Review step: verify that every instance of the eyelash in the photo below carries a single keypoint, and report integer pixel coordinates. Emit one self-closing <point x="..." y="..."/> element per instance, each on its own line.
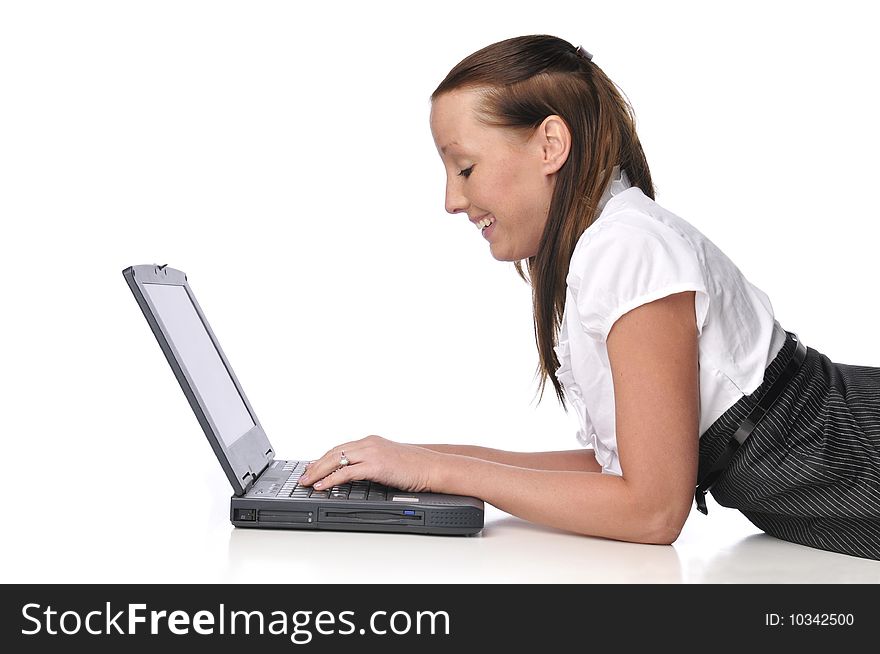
<point x="466" y="172"/>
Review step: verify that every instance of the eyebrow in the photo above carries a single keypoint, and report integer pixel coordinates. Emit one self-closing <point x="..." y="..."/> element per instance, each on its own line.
<point x="444" y="148"/>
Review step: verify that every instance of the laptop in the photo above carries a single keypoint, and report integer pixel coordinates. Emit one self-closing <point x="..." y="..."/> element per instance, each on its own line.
<point x="266" y="492"/>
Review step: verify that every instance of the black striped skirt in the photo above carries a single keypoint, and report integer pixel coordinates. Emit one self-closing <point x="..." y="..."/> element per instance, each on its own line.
<point x="810" y="471"/>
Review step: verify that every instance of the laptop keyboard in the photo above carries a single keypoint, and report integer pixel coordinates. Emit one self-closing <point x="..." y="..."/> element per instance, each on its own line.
<point x="353" y="490"/>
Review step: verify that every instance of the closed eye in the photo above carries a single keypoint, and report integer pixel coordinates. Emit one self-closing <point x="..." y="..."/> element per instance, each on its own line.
<point x="466" y="172"/>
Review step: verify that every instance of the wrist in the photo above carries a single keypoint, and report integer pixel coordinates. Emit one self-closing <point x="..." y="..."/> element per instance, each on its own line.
<point x="452" y="473"/>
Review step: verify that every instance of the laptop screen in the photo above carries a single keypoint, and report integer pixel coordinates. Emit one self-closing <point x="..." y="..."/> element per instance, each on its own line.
<point x="209" y="376"/>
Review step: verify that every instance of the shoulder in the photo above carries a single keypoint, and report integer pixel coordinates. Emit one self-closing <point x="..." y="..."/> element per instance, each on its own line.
<point x="631" y="226"/>
<point x="634" y="253"/>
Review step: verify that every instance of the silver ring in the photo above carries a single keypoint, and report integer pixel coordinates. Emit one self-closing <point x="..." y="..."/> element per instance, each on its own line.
<point x="343" y="460"/>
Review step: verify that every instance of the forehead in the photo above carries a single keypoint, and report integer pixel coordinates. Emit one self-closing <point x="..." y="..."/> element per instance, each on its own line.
<point x="455" y="119"/>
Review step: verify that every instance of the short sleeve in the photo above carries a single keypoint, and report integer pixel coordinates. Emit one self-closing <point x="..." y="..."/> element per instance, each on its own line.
<point x="624" y="265"/>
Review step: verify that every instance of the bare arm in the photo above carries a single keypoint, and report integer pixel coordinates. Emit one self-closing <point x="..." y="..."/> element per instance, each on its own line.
<point x="582" y="459"/>
<point x="654" y="360"/>
<point x="654" y="357"/>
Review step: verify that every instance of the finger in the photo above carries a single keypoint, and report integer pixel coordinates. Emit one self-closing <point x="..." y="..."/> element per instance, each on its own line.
<point x="334" y="478"/>
<point x="338" y="477"/>
<point x="335" y="455"/>
<point x="323" y="465"/>
<point x="327" y="464"/>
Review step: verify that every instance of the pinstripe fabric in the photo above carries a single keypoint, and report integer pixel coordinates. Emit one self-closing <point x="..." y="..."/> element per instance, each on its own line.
<point x="810" y="471"/>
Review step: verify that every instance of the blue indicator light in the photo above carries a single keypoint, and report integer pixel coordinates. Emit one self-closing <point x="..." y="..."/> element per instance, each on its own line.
<point x="408" y="512"/>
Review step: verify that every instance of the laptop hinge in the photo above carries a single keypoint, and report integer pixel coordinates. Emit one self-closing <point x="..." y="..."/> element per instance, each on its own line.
<point x="249" y="478"/>
<point x="268" y="457"/>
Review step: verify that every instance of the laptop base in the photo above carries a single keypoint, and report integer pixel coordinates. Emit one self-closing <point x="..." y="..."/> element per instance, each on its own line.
<point x="349" y="515"/>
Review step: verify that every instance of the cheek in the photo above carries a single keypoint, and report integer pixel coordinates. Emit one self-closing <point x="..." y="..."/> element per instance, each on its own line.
<point x="529" y="203"/>
<point x="515" y="191"/>
<point x="528" y="188"/>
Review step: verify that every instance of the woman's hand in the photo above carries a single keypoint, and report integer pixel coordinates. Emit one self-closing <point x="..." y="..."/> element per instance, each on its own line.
<point x="407" y="467"/>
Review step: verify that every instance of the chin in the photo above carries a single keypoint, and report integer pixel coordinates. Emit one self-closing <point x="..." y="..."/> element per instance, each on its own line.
<point x="502" y="254"/>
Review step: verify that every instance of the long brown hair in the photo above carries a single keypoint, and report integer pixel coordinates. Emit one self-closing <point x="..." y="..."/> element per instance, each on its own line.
<point x="523" y="80"/>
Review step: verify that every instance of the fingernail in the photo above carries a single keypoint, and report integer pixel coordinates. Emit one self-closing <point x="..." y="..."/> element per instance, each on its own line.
<point x="319" y="484"/>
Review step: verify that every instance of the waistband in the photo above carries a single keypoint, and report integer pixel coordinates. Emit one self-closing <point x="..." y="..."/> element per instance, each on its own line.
<point x="777" y="367"/>
<point x="781" y="370"/>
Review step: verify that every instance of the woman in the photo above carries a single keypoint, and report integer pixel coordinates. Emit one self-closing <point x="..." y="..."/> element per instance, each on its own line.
<point x="676" y="367"/>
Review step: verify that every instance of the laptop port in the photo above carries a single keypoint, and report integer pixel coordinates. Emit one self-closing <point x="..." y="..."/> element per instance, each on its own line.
<point x="248" y="515"/>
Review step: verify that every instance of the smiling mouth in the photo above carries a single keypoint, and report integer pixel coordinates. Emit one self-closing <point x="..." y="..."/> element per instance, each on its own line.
<point x="485" y="222"/>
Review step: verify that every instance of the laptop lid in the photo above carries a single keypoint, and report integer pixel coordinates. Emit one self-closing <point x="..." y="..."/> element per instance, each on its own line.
<point x="207" y="379"/>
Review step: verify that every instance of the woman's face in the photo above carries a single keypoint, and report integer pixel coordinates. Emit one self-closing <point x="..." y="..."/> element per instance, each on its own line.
<point x="498" y="176"/>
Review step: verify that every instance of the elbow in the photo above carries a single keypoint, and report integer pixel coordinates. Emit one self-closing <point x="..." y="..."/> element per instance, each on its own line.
<point x="663" y="525"/>
<point x="665" y="533"/>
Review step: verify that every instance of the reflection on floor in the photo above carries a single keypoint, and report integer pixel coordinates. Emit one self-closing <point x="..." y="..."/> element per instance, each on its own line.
<point x="722" y="547"/>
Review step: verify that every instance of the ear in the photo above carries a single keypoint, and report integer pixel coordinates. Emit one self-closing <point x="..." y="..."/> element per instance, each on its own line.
<point x="555" y="142"/>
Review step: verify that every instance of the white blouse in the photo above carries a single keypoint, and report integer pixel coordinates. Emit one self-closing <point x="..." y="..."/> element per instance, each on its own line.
<point x="637" y="252"/>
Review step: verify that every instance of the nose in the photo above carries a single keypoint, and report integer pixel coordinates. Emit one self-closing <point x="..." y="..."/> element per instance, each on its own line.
<point x="456" y="202"/>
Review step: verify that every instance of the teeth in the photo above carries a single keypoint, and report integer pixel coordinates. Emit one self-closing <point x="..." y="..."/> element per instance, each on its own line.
<point x="484" y="223"/>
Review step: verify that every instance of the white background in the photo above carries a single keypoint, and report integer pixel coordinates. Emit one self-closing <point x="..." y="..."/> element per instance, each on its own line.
<point x="279" y="153"/>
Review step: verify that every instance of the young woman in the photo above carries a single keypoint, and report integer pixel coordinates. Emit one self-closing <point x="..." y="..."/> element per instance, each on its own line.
<point x="679" y="373"/>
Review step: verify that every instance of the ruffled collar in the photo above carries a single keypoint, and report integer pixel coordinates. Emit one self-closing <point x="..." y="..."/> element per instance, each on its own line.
<point x="619" y="183"/>
<point x="564" y="373"/>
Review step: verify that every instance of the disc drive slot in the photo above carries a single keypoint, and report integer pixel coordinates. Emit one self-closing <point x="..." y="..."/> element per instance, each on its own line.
<point x="400" y="516"/>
